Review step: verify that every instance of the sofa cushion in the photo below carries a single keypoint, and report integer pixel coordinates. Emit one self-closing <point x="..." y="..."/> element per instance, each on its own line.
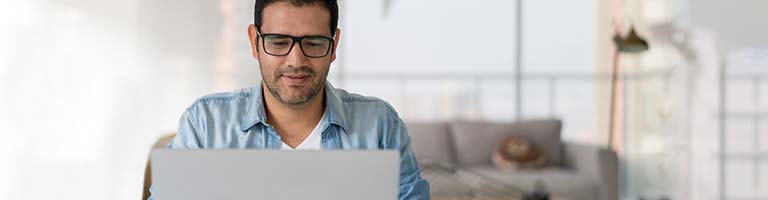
<point x="431" y="142"/>
<point x="474" y="142"/>
<point x="558" y="181"/>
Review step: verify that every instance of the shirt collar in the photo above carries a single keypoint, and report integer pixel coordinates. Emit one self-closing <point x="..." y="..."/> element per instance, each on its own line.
<point x="334" y="110"/>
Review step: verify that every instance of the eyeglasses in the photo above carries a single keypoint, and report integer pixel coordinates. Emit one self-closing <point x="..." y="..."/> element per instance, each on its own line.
<point x="314" y="46"/>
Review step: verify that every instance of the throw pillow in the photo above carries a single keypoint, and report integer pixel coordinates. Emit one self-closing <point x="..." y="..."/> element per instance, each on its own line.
<point x="517" y="153"/>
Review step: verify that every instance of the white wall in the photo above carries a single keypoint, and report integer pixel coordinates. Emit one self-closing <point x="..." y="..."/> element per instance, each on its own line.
<point x="87" y="86"/>
<point x="736" y="24"/>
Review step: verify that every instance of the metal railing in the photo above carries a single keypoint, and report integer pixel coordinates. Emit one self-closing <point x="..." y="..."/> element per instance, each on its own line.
<point x="552" y="80"/>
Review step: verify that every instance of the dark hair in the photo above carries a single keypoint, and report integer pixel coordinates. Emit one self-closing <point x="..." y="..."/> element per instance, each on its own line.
<point x="331" y="5"/>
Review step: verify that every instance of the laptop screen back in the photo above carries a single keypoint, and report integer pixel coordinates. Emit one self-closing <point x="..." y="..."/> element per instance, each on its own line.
<point x="274" y="175"/>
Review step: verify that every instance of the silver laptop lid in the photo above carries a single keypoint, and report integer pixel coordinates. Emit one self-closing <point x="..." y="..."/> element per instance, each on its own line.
<point x="269" y="174"/>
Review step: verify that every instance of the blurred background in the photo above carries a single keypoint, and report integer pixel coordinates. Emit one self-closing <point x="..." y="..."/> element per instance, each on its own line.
<point x="87" y="86"/>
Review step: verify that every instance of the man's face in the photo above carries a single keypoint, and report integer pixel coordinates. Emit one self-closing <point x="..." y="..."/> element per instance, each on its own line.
<point x="294" y="78"/>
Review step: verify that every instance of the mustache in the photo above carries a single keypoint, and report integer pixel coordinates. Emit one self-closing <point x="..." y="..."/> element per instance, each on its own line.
<point x="287" y="70"/>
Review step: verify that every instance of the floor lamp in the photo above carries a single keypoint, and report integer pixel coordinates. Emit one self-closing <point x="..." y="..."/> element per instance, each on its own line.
<point x="630" y="44"/>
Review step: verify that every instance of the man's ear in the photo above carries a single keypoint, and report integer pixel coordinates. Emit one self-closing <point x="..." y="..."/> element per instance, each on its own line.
<point x="335" y="44"/>
<point x="253" y="37"/>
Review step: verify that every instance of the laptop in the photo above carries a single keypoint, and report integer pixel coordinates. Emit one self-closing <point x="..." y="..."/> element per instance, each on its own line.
<point x="274" y="175"/>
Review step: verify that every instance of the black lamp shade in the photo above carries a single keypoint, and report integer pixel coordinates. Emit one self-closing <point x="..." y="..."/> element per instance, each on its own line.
<point x="631" y="44"/>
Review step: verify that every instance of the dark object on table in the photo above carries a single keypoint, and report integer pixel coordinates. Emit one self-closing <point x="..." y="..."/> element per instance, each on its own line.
<point x="540" y="192"/>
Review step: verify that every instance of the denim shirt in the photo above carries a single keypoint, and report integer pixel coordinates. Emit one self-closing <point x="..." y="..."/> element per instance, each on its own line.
<point x="237" y="120"/>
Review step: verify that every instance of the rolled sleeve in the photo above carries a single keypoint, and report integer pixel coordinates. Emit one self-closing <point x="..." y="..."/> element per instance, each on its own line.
<point x="186" y="138"/>
<point x="412" y="186"/>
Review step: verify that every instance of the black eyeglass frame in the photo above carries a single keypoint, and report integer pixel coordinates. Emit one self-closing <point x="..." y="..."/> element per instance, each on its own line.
<point x="295" y="40"/>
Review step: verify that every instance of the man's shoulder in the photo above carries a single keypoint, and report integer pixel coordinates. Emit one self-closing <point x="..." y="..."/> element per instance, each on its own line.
<point x="224" y="100"/>
<point x="358" y="103"/>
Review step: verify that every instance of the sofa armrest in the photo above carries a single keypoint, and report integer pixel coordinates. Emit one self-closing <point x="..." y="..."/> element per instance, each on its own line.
<point x="600" y="164"/>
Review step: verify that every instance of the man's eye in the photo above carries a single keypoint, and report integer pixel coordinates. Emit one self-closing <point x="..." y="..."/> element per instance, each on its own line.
<point x="313" y="44"/>
<point x="280" y="43"/>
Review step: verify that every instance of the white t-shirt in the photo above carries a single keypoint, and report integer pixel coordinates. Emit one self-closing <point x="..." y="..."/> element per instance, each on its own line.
<point x="312" y="141"/>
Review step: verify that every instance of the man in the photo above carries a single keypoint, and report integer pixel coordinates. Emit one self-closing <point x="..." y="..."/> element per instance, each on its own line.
<point x="294" y="107"/>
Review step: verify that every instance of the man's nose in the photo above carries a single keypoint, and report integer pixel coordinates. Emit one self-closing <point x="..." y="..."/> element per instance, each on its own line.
<point x="296" y="57"/>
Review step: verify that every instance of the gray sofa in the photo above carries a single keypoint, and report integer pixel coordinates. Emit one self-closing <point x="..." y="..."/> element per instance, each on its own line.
<point x="574" y="171"/>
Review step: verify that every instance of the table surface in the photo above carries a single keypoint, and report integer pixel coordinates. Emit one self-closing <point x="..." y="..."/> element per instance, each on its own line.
<point x="448" y="182"/>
